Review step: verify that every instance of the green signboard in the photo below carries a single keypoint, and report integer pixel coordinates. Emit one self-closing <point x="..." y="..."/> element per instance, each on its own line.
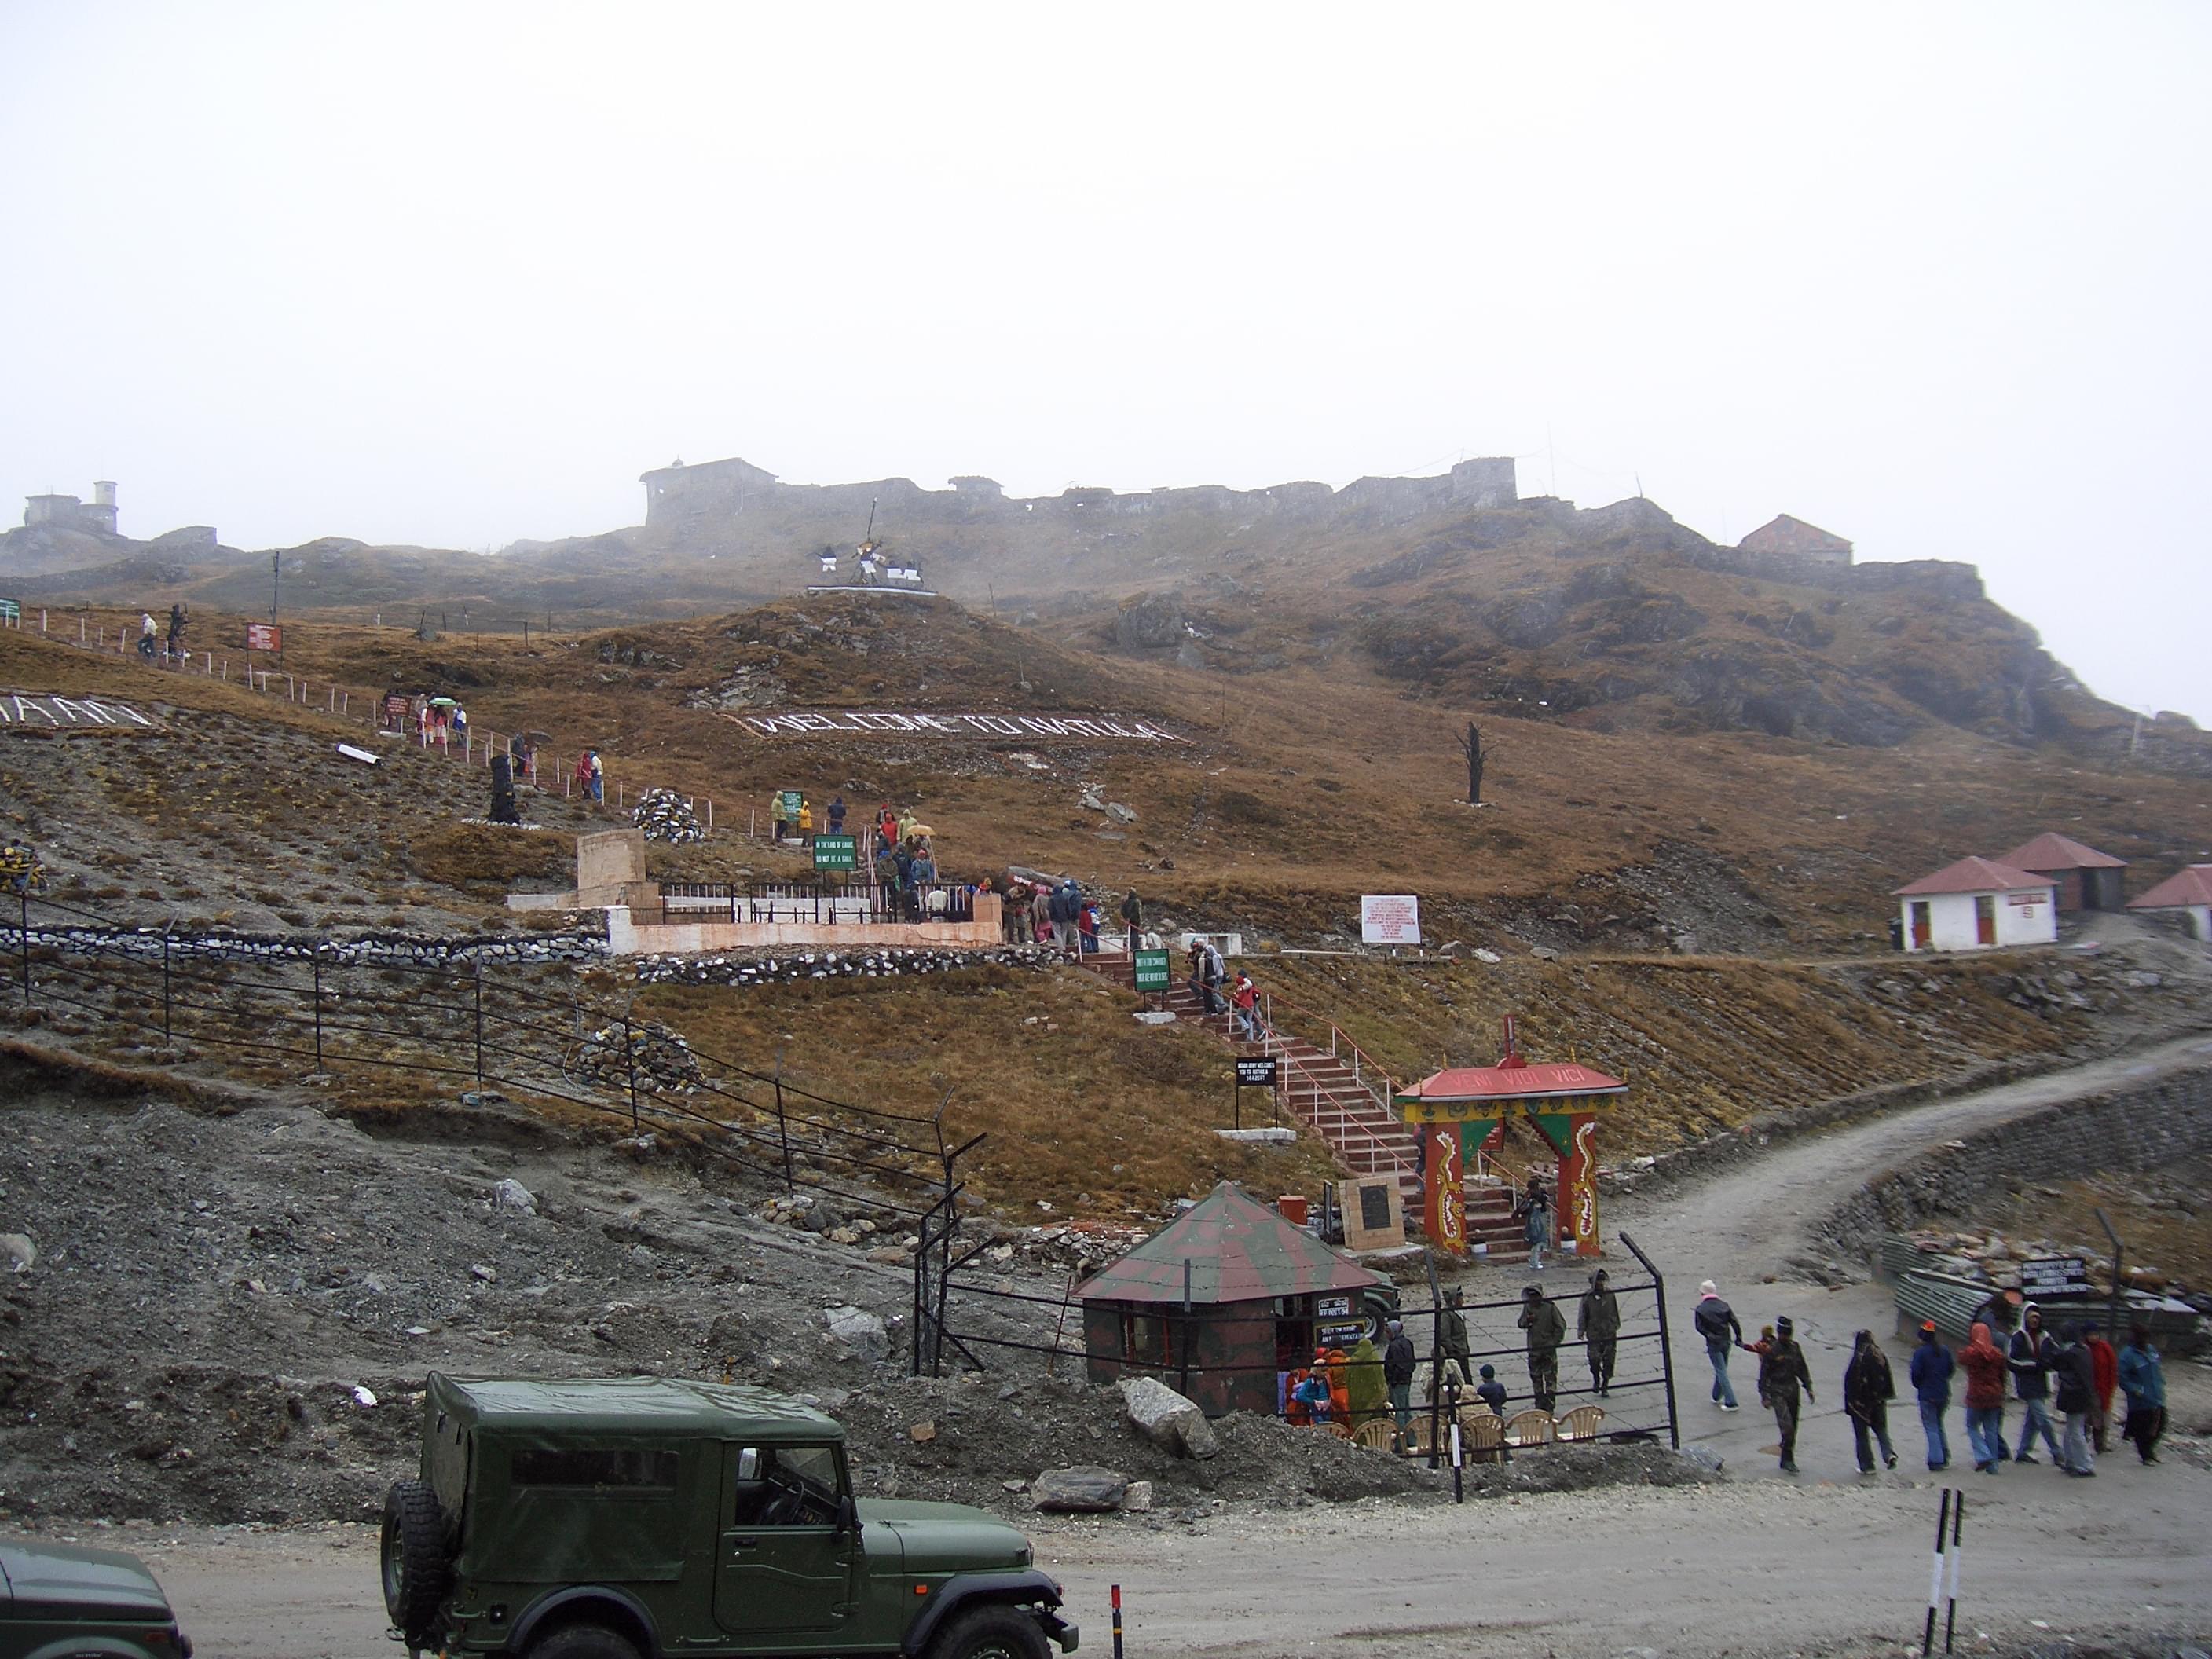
<point x="835" y="853"/>
<point x="10" y="611"/>
<point x="787" y="806"/>
<point x="1151" y="970"/>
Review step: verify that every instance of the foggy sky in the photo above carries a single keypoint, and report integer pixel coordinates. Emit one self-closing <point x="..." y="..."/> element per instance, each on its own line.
<point x="1930" y="277"/>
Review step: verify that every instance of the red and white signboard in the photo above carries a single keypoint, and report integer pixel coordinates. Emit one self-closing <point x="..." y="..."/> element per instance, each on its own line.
<point x="1389" y="919"/>
<point x="263" y="636"/>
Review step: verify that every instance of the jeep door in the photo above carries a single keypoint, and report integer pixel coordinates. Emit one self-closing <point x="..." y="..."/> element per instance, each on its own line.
<point x="786" y="1566"/>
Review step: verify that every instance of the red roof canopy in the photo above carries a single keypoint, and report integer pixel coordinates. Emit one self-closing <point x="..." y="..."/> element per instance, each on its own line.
<point x="1974" y="875"/>
<point x="1238" y="1250"/>
<point x="2189" y="886"/>
<point x="1513" y="1082"/>
<point x="2050" y="851"/>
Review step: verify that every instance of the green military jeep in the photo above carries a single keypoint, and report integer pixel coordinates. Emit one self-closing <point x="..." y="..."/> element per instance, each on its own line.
<point x="58" y="1601"/>
<point x="630" y="1517"/>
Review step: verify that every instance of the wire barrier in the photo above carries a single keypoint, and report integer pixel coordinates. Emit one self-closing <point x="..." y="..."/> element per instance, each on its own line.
<point x="1185" y="1346"/>
<point x="366" y="1004"/>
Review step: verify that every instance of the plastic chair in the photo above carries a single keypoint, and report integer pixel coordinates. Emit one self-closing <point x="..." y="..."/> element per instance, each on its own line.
<point x="1530" y="1428"/>
<point x="1482" y="1433"/>
<point x="1582" y="1422"/>
<point x="1376" y="1434"/>
<point x="1339" y="1427"/>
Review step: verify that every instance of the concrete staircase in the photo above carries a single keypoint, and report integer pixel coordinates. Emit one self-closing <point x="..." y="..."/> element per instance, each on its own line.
<point x="1339" y="1094"/>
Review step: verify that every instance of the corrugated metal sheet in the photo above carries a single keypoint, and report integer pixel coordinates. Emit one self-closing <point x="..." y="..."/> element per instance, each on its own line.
<point x="1238" y="1250"/>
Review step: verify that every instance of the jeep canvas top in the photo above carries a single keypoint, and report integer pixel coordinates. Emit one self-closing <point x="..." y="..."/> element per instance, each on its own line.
<point x="625" y="1517"/>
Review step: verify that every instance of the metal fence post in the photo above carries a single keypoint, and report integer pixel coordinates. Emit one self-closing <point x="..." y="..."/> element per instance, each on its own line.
<point x="1665" y="1344"/>
<point x="783" y="1127"/>
<point x="315" y="957"/>
<point x="479" y="965"/>
<point x="23" y="939"/>
<point x="629" y="1054"/>
<point x="167" y="1034"/>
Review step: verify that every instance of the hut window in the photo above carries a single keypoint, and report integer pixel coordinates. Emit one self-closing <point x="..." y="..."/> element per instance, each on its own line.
<point x="1147" y="1340"/>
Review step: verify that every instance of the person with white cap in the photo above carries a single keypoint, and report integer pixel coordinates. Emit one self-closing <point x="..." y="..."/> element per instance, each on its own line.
<point x="1717" y="1322"/>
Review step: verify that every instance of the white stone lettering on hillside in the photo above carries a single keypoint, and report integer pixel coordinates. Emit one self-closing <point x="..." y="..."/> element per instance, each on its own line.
<point x="874" y="722"/>
<point x="33" y="711"/>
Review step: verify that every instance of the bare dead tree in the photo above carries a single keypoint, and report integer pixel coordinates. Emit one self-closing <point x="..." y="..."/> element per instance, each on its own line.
<point x="1478" y="756"/>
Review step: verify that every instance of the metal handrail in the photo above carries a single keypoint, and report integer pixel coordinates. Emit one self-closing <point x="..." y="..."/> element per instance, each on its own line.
<point x="1361" y="1062"/>
<point x="1273" y="1042"/>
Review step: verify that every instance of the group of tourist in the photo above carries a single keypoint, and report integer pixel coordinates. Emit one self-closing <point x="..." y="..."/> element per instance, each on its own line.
<point x="2078" y="1372"/>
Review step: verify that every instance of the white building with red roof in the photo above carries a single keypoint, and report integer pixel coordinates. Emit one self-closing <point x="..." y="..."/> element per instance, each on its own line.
<point x="2087" y="878"/>
<point x="1978" y="904"/>
<point x="2187" y="893"/>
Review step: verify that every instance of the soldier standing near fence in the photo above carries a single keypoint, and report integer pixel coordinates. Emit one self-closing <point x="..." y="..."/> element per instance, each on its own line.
<point x="1782" y="1372"/>
<point x="1547" y="1328"/>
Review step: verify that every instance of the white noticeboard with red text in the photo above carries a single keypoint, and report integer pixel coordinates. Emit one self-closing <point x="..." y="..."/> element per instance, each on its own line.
<point x="1389" y="919"/>
<point x="263" y="636"/>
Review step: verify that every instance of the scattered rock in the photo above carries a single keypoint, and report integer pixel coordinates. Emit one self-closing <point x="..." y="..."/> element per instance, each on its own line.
<point x="1082" y="1490"/>
<point x="921" y="1433"/>
<point x="862" y="1332"/>
<point x="1139" y="1498"/>
<point x="512" y="1195"/>
<point x="23" y="1255"/>
<point x="1167" y="1419"/>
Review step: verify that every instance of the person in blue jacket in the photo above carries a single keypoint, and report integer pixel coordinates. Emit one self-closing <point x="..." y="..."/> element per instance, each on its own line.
<point x="1932" y="1366"/>
<point x="2144" y="1383"/>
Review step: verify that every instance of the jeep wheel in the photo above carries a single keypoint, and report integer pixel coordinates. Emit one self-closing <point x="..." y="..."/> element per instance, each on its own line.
<point x="991" y="1632"/>
<point x="583" y="1642"/>
<point x="419" y="1571"/>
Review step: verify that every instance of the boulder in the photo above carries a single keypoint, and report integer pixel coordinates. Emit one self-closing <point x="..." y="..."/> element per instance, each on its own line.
<point x="512" y="1195"/>
<point x="1166" y="1419"/>
<point x="862" y="1332"/>
<point x="23" y="1255"/>
<point x="1084" y="1490"/>
<point x="1139" y="1498"/>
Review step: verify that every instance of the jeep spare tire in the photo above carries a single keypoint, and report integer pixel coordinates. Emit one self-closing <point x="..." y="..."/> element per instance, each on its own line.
<point x="417" y="1568"/>
<point x="992" y="1632"/>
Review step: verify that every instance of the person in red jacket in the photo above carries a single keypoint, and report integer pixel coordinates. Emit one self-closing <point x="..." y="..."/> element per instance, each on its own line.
<point x="1984" y="1362"/>
<point x="2106" y="1360"/>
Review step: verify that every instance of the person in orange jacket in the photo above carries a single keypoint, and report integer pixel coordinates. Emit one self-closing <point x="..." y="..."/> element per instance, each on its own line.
<point x="2106" y="1360"/>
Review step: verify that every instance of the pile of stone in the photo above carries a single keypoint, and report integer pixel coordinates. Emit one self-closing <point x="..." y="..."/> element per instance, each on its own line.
<point x="663" y="1061"/>
<point x="369" y="950"/>
<point x="728" y="969"/>
<point x="664" y="814"/>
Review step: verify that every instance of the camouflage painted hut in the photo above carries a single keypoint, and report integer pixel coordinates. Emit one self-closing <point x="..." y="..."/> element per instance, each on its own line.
<point x="1259" y="1291"/>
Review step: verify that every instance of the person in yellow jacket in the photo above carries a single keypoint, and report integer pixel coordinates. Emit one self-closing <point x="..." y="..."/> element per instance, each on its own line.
<point x="805" y="822"/>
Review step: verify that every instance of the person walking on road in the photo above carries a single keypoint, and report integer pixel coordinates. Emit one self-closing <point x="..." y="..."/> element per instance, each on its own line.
<point x="1782" y="1372"/>
<point x="1717" y="1322"/>
<point x="1398" y="1363"/>
<point x="1547" y="1328"/>
<point x="2031" y="1356"/>
<point x="2143" y="1381"/>
<point x="2105" y="1360"/>
<point x="2076" y="1396"/>
<point x="1868" y="1386"/>
<point x="1983" y="1362"/>
<point x="1597" y="1323"/>
<point x="1931" y="1372"/>
<point x="1537" y="1209"/>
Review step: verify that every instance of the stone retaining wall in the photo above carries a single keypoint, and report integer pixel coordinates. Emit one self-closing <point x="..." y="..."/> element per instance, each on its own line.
<point x="2140" y="1126"/>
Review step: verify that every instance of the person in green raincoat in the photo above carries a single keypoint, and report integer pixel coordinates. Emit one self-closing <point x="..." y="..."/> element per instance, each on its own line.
<point x="1364" y="1384"/>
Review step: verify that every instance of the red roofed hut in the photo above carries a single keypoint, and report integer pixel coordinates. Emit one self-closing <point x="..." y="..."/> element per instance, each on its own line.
<point x="2087" y="880"/>
<point x="2189" y="893"/>
<point x="1223" y="1303"/>
<point x="1977" y="903"/>
<point x="1455" y="1110"/>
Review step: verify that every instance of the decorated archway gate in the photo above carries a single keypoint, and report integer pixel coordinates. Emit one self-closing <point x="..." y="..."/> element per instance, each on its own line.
<point x="1455" y="1111"/>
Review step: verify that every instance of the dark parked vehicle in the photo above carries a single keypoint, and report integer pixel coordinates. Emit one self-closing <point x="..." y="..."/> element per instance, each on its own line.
<point x="57" y="1601"/>
<point x="628" y="1517"/>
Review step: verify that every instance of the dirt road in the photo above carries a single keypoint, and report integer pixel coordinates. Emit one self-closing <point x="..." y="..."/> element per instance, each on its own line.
<point x="1828" y="1563"/>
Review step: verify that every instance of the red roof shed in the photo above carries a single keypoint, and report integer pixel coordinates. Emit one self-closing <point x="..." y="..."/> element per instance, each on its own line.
<point x="1972" y="875"/>
<point x="2087" y="880"/>
<point x="2188" y="890"/>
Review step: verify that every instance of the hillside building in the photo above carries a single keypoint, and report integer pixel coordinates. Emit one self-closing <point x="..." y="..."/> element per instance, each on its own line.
<point x="68" y="513"/>
<point x="1785" y="537"/>
<point x="677" y="492"/>
<point x="2087" y="880"/>
<point x="2187" y="894"/>
<point x="1978" y="905"/>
